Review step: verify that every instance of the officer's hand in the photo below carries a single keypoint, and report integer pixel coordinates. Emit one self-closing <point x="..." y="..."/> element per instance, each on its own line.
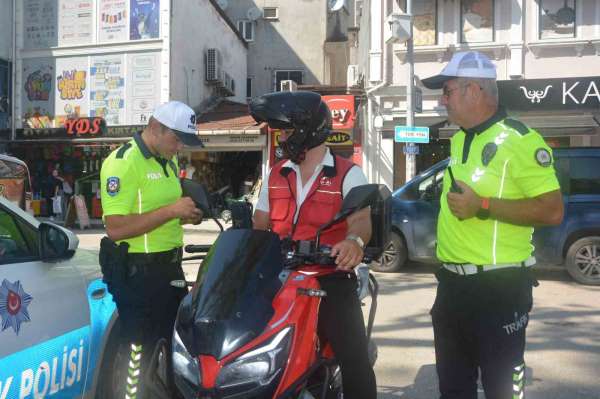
<point x="185" y="209"/>
<point x="349" y="254"/>
<point x="466" y="204"/>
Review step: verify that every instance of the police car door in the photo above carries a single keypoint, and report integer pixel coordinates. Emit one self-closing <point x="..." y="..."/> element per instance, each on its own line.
<point x="44" y="316"/>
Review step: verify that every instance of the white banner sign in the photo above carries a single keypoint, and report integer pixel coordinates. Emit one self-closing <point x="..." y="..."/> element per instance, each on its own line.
<point x="75" y="22"/>
<point x="72" y="88"/>
<point x="143" y="86"/>
<point x="39" y="23"/>
<point x="38" y="92"/>
<point x="113" y="20"/>
<point x="107" y="88"/>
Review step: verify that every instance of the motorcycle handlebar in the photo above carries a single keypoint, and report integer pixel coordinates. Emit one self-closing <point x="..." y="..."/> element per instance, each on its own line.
<point x="196" y="248"/>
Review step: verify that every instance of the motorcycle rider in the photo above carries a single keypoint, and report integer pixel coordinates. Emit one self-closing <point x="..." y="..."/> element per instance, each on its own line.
<point x="300" y="194"/>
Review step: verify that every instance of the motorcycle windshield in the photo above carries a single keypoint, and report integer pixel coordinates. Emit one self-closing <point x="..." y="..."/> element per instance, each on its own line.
<point x="231" y="302"/>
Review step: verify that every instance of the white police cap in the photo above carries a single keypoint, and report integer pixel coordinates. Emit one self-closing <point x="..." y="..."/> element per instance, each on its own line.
<point x="466" y="64"/>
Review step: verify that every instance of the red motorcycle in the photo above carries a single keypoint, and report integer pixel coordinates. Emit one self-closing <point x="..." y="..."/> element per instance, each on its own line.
<point x="248" y="328"/>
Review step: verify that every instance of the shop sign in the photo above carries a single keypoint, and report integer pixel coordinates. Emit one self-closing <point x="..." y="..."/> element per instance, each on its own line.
<point x="550" y="94"/>
<point x="85" y="126"/>
<point x="234" y="140"/>
<point x="339" y="138"/>
<point x="80" y="128"/>
<point x="342" y="111"/>
<point x="334" y="138"/>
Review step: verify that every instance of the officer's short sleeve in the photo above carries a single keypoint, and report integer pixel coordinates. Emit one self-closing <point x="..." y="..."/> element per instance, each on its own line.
<point x="118" y="187"/>
<point x="263" y="196"/>
<point x="533" y="167"/>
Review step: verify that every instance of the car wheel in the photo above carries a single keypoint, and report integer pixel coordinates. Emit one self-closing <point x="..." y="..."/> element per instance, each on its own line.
<point x="583" y="260"/>
<point x="394" y="255"/>
<point x="110" y="383"/>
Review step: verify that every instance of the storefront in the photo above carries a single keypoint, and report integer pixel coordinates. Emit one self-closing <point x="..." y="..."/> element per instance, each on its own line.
<point x="564" y="111"/>
<point x="67" y="161"/>
<point x="235" y="153"/>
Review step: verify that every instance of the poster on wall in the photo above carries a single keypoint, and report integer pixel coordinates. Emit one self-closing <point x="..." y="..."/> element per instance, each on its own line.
<point x="143" y="86"/>
<point x="39" y="23"/>
<point x="72" y="89"/>
<point x="145" y="18"/>
<point x="107" y="88"/>
<point x="113" y="21"/>
<point x="38" y="93"/>
<point x="75" y="22"/>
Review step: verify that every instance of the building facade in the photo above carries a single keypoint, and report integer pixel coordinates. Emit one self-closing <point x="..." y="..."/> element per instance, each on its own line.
<point x="89" y="73"/>
<point x="6" y="56"/>
<point x="305" y="41"/>
<point x="547" y="54"/>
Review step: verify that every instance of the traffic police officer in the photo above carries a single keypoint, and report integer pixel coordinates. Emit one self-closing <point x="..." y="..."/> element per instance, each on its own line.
<point x="504" y="185"/>
<point x="300" y="194"/>
<point x="143" y="213"/>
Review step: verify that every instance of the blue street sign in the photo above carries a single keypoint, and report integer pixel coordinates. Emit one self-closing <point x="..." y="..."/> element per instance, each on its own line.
<point x="411" y="134"/>
<point x="411" y="149"/>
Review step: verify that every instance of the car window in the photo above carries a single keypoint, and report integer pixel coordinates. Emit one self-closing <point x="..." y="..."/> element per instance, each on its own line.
<point x="17" y="239"/>
<point x="584" y="176"/>
<point x="431" y="188"/>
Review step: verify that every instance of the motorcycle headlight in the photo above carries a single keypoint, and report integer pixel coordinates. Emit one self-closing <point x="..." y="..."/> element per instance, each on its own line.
<point x="183" y="363"/>
<point x="260" y="365"/>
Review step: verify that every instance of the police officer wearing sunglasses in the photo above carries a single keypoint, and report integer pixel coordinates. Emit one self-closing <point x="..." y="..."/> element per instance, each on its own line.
<point x="499" y="185"/>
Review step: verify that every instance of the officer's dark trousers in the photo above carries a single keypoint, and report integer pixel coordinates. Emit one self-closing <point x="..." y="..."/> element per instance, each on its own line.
<point x="479" y="323"/>
<point x="341" y="322"/>
<point x="147" y="310"/>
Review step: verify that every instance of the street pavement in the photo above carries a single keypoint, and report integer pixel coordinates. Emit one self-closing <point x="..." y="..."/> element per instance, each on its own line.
<point x="563" y="345"/>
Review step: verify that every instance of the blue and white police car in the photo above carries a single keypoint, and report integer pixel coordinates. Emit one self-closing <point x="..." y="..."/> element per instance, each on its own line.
<point x="58" y="321"/>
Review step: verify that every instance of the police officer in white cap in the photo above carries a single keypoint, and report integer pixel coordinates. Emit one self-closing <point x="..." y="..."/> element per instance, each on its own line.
<point x="143" y="213"/>
<point x="504" y="185"/>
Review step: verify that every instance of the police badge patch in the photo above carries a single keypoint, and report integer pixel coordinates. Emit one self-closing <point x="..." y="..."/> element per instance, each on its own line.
<point x="488" y="153"/>
<point x="543" y="157"/>
<point x="13" y="305"/>
<point x="113" y="186"/>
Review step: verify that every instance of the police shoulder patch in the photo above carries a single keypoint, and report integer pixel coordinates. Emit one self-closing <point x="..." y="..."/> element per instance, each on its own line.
<point x="113" y="185"/>
<point x="543" y="157"/>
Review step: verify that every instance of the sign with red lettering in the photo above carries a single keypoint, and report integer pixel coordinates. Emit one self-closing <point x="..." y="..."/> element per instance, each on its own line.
<point x="85" y="127"/>
<point x="342" y="111"/>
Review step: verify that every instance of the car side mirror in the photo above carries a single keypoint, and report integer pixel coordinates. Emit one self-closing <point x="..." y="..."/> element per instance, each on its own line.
<point x="54" y="243"/>
<point x="198" y="193"/>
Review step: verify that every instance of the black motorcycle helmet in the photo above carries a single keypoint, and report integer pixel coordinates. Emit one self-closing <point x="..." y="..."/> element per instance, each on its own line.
<point x="304" y="112"/>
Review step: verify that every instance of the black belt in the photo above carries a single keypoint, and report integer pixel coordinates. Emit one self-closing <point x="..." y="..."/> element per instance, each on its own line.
<point x="172" y="256"/>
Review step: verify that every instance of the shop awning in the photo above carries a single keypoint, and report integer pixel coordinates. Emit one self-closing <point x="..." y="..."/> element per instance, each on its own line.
<point x="550" y="126"/>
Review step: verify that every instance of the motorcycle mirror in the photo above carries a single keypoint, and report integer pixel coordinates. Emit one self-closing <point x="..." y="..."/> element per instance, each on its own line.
<point x="197" y="192"/>
<point x="358" y="198"/>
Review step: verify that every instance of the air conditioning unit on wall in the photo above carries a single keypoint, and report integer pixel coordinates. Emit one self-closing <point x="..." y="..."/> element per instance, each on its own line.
<point x="213" y="65"/>
<point x="352" y="76"/>
<point x="288" y="85"/>
<point x="228" y="85"/>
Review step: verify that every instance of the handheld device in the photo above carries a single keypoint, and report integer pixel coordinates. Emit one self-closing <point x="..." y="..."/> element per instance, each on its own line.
<point x="453" y="187"/>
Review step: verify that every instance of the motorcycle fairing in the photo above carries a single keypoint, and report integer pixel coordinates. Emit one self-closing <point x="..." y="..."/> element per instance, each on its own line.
<point x="231" y="302"/>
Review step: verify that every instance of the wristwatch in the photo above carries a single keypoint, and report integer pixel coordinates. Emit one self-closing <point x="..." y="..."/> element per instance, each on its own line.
<point x="484" y="212"/>
<point x="356" y="238"/>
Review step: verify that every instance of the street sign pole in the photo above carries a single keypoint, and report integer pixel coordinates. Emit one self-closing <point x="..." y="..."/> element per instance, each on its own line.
<point x="410" y="110"/>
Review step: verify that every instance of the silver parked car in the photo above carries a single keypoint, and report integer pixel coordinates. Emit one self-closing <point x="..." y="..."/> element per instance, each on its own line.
<point x="57" y="318"/>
